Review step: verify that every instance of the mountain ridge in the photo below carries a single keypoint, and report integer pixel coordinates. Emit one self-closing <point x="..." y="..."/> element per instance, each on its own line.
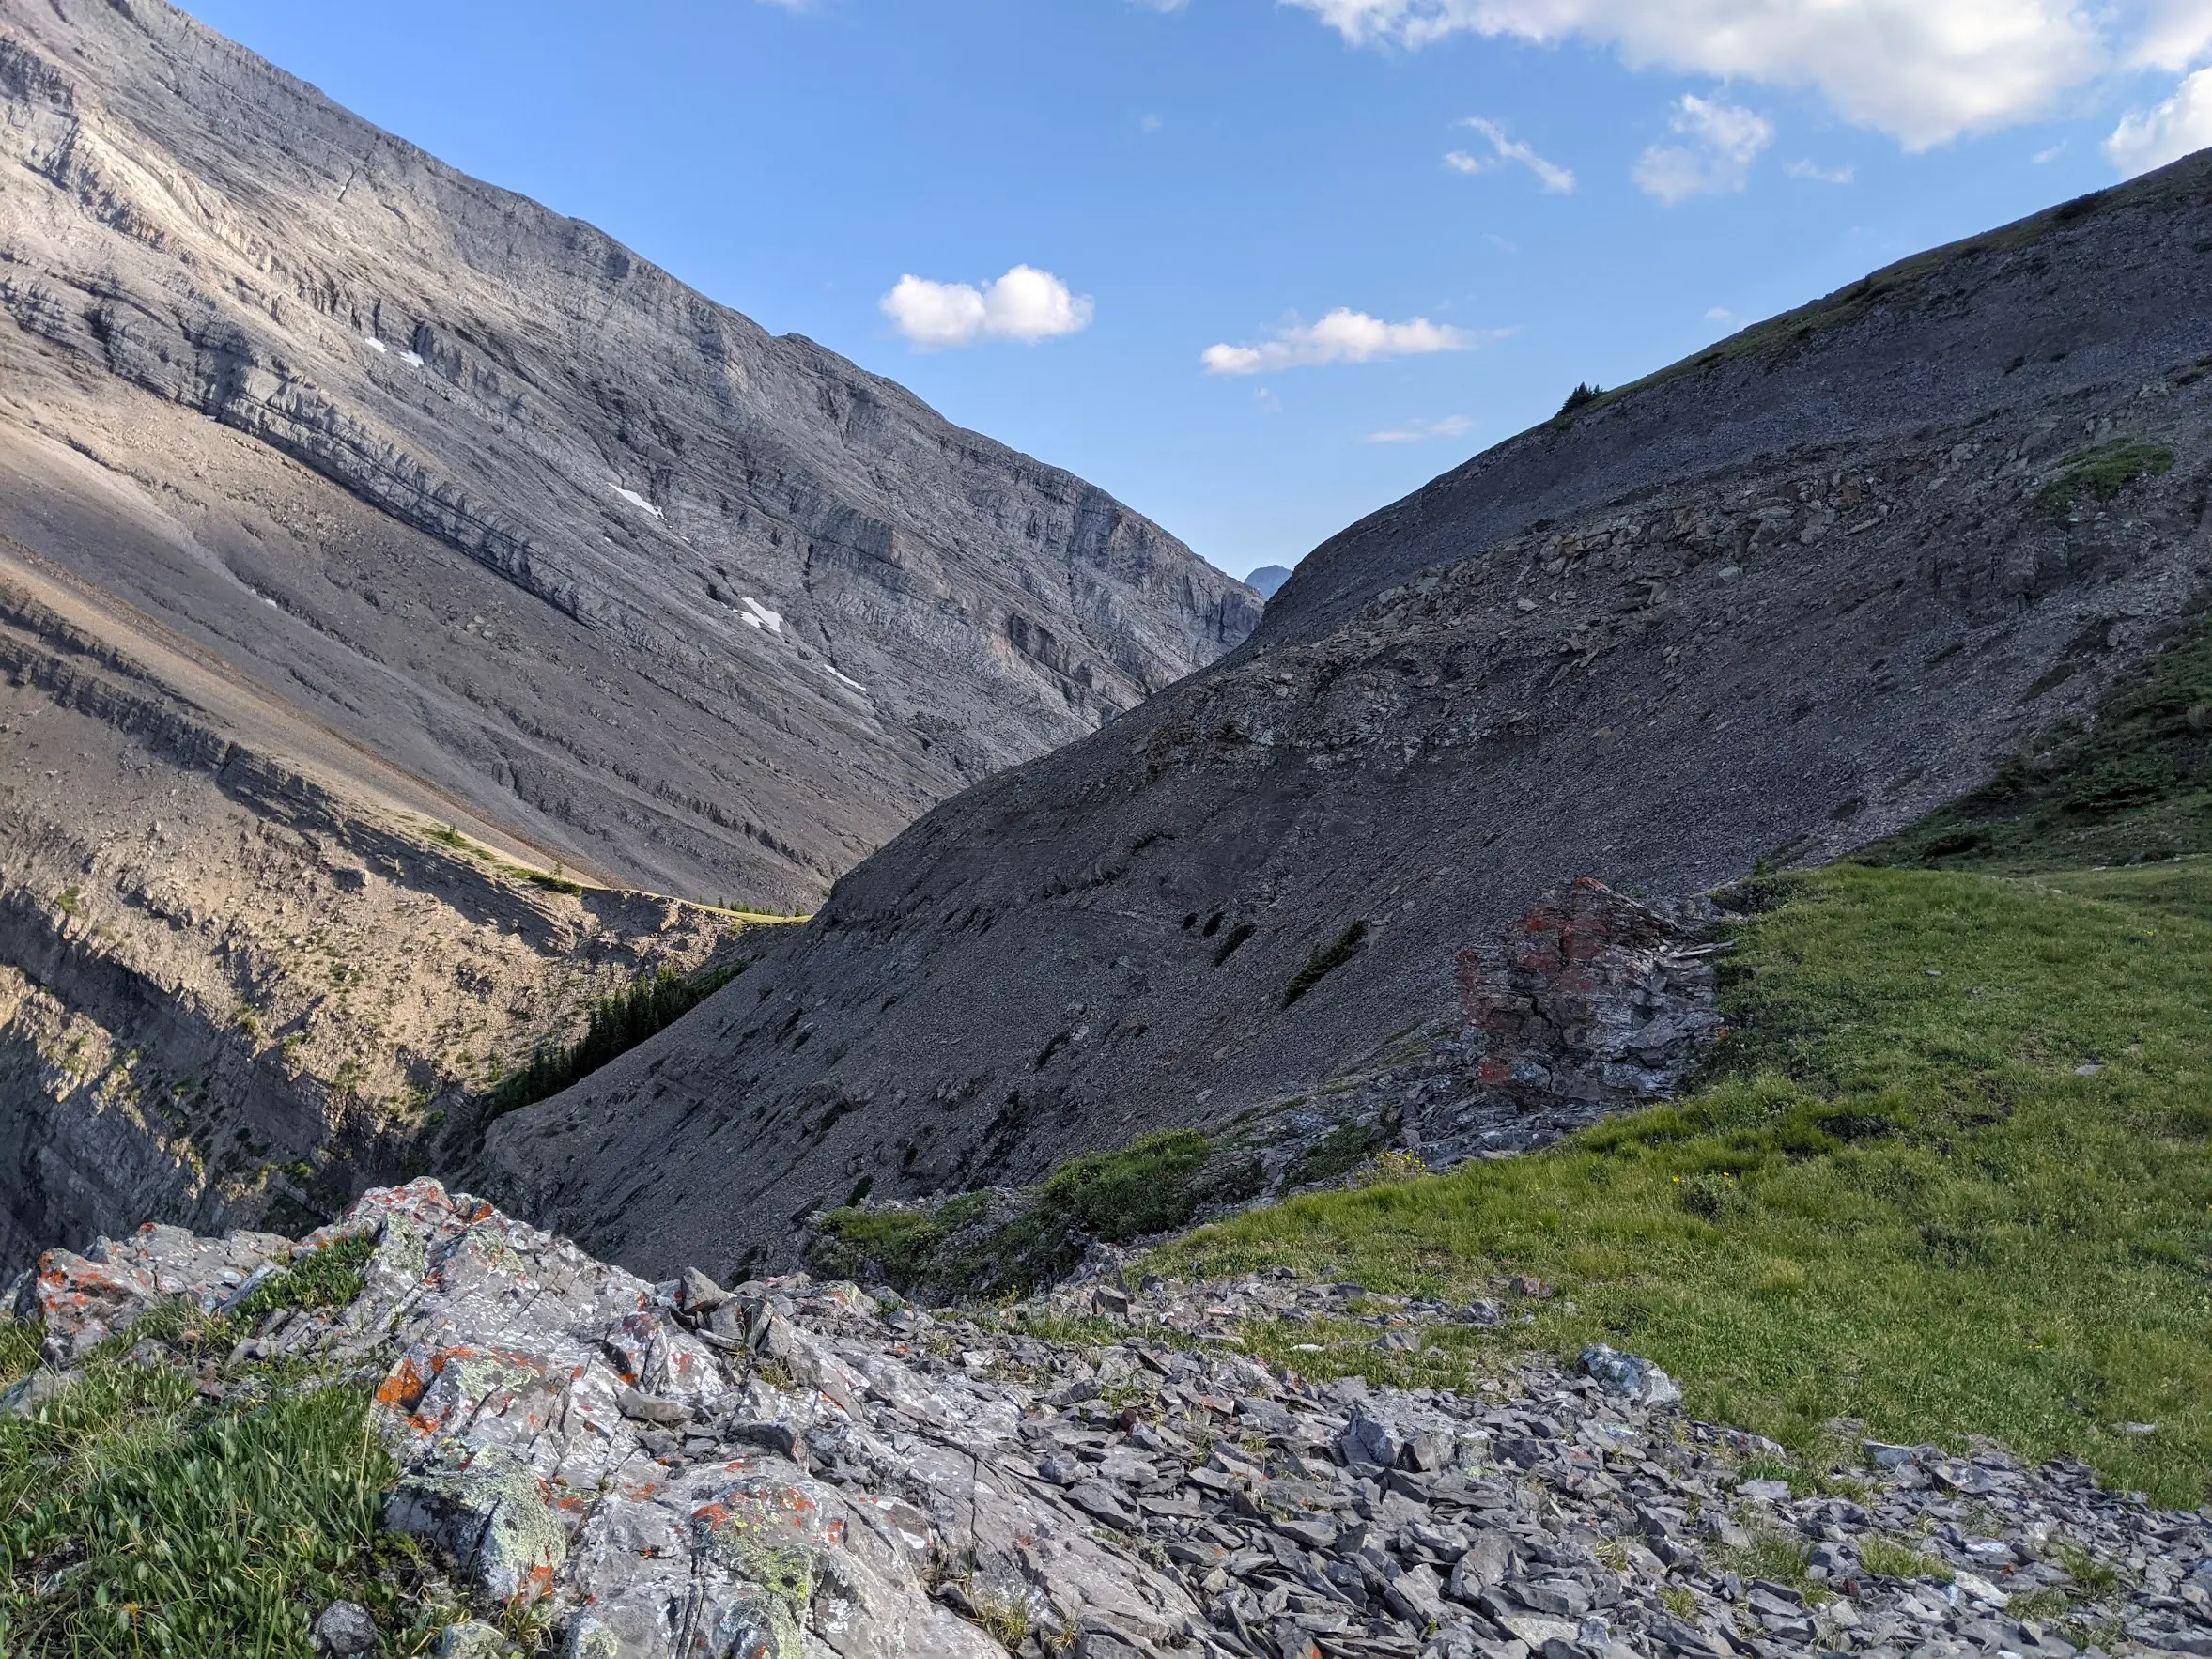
<point x="1772" y="606"/>
<point x="632" y="457"/>
<point x="401" y="587"/>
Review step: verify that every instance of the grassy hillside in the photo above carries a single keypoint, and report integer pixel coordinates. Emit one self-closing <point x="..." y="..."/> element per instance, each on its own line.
<point x="1952" y="1174"/>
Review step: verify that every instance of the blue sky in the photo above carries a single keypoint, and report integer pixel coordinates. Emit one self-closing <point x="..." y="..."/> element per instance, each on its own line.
<point x="1259" y="267"/>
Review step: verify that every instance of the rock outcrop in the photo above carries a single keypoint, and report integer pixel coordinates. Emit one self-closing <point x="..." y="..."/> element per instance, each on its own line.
<point x="1591" y="1000"/>
<point x="1773" y="603"/>
<point x="1589" y="1004"/>
<point x="232" y="987"/>
<point x="790" y="1468"/>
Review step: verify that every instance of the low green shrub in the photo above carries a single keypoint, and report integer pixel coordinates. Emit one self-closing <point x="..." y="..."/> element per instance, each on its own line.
<point x="2102" y="473"/>
<point x="897" y="1246"/>
<point x="1155" y="1184"/>
<point x="1325" y="960"/>
<point x="1145" y="1187"/>
<point x="1336" y="1153"/>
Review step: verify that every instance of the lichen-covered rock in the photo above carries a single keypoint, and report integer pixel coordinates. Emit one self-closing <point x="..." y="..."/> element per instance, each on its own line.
<point x="82" y="1299"/>
<point x="937" y="1487"/>
<point x="345" y="1630"/>
<point x="491" y="1515"/>
<point x="471" y="1641"/>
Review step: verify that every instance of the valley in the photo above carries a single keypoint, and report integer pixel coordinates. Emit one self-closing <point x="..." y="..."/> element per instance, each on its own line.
<point x="654" y="1005"/>
<point x="424" y="619"/>
<point x="1766" y="607"/>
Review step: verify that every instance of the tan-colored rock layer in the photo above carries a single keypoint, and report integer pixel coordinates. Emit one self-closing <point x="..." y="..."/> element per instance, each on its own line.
<point x="230" y="987"/>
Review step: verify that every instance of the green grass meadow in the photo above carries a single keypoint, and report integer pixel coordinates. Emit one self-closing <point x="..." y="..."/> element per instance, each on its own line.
<point x="1950" y="1175"/>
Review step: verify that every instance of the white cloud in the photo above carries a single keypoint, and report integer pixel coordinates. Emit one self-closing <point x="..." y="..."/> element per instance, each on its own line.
<point x="1025" y="304"/>
<point x="2175" y="34"/>
<point x="1415" y="431"/>
<point x="1720" y="314"/>
<point x="1922" y="70"/>
<point x="2150" y="138"/>
<point x="1720" y="143"/>
<point x="1557" y="180"/>
<point x="1342" y="336"/>
<point x="1819" y="175"/>
<point x="1160" y="5"/>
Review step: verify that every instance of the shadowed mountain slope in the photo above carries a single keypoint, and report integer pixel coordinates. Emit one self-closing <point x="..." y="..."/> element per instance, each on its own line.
<point x="1775" y="601"/>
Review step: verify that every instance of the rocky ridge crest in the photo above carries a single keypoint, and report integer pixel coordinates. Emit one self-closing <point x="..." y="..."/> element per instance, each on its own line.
<point x="793" y="1467"/>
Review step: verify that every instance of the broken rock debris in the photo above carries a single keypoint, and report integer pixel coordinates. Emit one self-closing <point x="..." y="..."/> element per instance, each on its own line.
<point x="791" y="1468"/>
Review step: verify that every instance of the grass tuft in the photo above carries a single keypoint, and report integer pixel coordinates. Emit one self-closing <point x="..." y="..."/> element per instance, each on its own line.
<point x="2102" y="473"/>
<point x="328" y="1278"/>
<point x="1886" y="1558"/>
<point x="137" y="1518"/>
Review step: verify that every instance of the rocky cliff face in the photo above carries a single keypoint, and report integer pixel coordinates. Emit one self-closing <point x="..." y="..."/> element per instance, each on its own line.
<point x="678" y="601"/>
<point x="1771" y="604"/>
<point x="233" y="990"/>
<point x="377" y="551"/>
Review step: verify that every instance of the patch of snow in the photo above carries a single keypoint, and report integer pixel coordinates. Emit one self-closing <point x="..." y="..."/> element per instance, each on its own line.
<point x="845" y="679"/>
<point x="749" y="621"/>
<point x="413" y="360"/>
<point x="376" y="345"/>
<point x="637" y="501"/>
<point x="763" y="618"/>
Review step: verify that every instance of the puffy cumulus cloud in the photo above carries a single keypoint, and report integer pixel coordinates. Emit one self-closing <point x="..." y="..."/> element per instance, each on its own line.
<point x="1416" y="431"/>
<point x="1557" y="180"/>
<point x="1719" y="142"/>
<point x="2150" y="138"/>
<point x="1923" y="71"/>
<point x="1025" y="304"/>
<point x="1342" y="336"/>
